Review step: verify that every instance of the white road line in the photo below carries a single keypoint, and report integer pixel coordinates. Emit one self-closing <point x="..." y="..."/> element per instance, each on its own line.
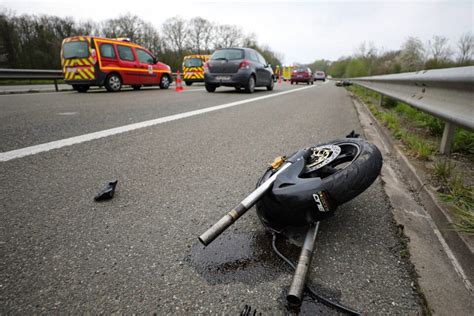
<point x="32" y="150"/>
<point x="194" y="90"/>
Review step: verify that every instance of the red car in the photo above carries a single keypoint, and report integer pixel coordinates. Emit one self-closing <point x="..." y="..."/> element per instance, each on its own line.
<point x="93" y="61"/>
<point x="302" y="75"/>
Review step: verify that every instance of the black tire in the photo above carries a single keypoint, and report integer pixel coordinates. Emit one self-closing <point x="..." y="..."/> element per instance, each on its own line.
<point x="250" y="87"/>
<point x="188" y="83"/>
<point x="271" y="85"/>
<point x="358" y="175"/>
<point x="345" y="182"/>
<point x="291" y="82"/>
<point x="350" y="173"/>
<point x="80" y="88"/>
<point x="135" y="87"/>
<point x="165" y="81"/>
<point x="308" y="83"/>
<point x="113" y="83"/>
<point x="210" y="88"/>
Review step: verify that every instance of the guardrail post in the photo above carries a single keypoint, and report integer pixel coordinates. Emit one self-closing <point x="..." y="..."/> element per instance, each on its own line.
<point x="381" y="100"/>
<point x="447" y="139"/>
<point x="56" y="85"/>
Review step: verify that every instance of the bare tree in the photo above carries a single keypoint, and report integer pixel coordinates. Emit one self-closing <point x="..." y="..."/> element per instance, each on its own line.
<point x="440" y="50"/>
<point x="200" y="31"/>
<point x="412" y="56"/>
<point x="366" y="50"/>
<point x="176" y="33"/>
<point x="228" y="36"/>
<point x="150" y="38"/>
<point x="465" y="46"/>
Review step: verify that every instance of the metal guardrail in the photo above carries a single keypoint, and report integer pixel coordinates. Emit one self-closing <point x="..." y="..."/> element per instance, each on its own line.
<point x="444" y="93"/>
<point x="39" y="74"/>
<point x="31" y="74"/>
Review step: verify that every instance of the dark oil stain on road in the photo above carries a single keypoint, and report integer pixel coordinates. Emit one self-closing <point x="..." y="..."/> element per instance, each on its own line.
<point x="237" y="257"/>
<point x="248" y="258"/>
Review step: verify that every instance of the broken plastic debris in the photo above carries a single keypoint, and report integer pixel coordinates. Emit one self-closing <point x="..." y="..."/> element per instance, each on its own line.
<point x="352" y="135"/>
<point x="108" y="192"/>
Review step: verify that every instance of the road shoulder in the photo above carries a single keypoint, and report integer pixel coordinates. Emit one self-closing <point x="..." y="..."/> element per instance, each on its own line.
<point x="447" y="281"/>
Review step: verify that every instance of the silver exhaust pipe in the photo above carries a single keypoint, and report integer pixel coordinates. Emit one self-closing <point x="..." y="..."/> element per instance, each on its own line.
<point x="218" y="228"/>
<point x="295" y="294"/>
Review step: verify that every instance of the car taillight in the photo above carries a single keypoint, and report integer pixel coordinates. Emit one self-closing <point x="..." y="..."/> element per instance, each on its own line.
<point x="245" y="64"/>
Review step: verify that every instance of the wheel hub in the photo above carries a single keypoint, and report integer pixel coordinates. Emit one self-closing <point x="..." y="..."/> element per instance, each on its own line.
<point x="321" y="156"/>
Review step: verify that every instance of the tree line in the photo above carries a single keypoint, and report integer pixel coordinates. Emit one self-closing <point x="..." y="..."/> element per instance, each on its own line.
<point x="34" y="42"/>
<point x="413" y="55"/>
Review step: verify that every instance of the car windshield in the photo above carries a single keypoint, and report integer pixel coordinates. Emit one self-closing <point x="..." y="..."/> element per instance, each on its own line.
<point x="301" y="70"/>
<point x="228" y="54"/>
<point x="319" y="73"/>
<point x="193" y="62"/>
<point x="76" y="50"/>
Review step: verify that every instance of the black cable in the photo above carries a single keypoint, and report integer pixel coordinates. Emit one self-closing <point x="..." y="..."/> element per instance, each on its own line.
<point x="312" y="292"/>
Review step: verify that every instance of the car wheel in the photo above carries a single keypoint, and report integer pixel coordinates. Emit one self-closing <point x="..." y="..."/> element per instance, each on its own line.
<point x="136" y="87"/>
<point x="210" y="88"/>
<point x="188" y="83"/>
<point x="271" y="85"/>
<point x="250" y="87"/>
<point x="165" y="82"/>
<point x="291" y="82"/>
<point x="113" y="83"/>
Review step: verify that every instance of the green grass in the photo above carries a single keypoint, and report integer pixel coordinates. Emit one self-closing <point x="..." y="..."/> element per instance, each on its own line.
<point x="395" y="116"/>
<point x="463" y="141"/>
<point x="461" y="197"/>
<point x="466" y="218"/>
<point x="443" y="169"/>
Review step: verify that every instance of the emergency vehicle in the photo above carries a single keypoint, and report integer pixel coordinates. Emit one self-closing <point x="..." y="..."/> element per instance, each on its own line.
<point x="93" y="61"/>
<point x="287" y="71"/>
<point x="193" y="68"/>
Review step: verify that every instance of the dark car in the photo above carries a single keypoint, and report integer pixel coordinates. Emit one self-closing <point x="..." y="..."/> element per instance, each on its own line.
<point x="239" y="68"/>
<point x="302" y="75"/>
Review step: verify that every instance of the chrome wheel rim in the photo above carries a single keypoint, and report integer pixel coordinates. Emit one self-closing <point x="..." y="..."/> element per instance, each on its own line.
<point x="114" y="83"/>
<point x="164" y="81"/>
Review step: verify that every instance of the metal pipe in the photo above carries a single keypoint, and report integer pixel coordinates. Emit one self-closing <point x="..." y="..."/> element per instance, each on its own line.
<point x="295" y="293"/>
<point x="218" y="228"/>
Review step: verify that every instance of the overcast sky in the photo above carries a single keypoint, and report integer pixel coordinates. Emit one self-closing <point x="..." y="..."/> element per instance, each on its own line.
<point x="301" y="31"/>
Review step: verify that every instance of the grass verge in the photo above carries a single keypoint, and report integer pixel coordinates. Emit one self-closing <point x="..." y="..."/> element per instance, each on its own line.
<point x="420" y="133"/>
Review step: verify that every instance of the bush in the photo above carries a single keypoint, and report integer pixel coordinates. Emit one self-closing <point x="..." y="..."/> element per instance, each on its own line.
<point x="463" y="141"/>
<point x="389" y="103"/>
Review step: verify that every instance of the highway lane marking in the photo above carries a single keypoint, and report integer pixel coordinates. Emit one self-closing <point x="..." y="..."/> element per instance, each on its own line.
<point x="68" y="113"/>
<point x="194" y="90"/>
<point x="36" y="149"/>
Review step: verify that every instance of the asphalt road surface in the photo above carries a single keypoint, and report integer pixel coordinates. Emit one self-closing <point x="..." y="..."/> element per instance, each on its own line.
<point x="139" y="253"/>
